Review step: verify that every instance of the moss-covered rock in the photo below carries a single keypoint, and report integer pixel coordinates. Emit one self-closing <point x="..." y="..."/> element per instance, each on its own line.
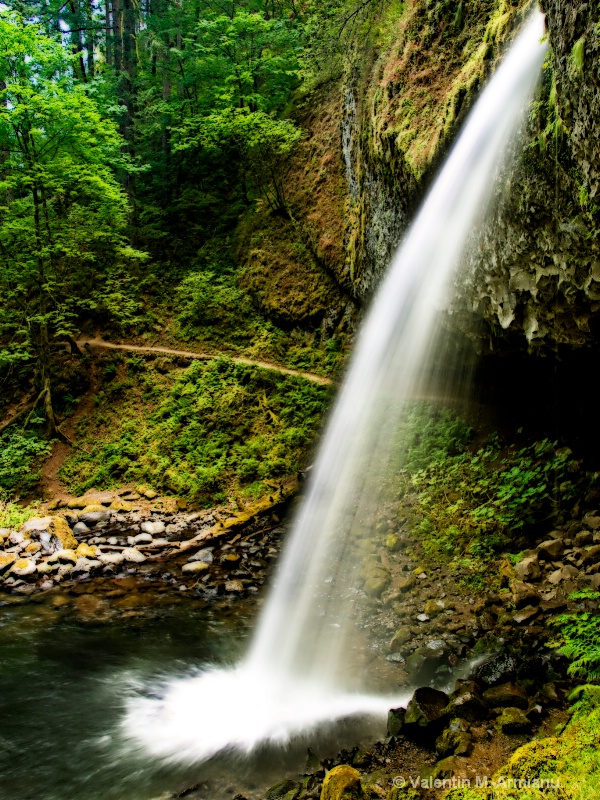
<point x="342" y="783"/>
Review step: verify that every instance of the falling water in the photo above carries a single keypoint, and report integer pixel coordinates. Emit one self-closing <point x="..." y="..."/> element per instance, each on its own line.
<point x="301" y="669"/>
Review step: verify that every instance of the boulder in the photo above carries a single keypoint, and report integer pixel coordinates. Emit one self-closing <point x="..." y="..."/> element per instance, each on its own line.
<point x="528" y="569"/>
<point x="512" y="721"/>
<point x="23" y="567"/>
<point x="393" y="542"/>
<point x="434" y="607"/>
<point x="6" y="559"/>
<point x="454" y="741"/>
<point x="80" y="527"/>
<point x="526" y="614"/>
<point x="564" y="573"/>
<point x="92" y="518"/>
<point x="342" y="783"/>
<point x="466" y="703"/>
<point x="395" y="721"/>
<point x="59" y="527"/>
<point x="406" y="584"/>
<point x="505" y="695"/>
<point x="425" y="713"/>
<point x="80" y="502"/>
<point x="591" y="554"/>
<point x="524" y="594"/>
<point x="551" y="549"/>
<point x="377" y="579"/>
<point x="65" y="556"/>
<point x="402" y="635"/>
<point x="36" y="524"/>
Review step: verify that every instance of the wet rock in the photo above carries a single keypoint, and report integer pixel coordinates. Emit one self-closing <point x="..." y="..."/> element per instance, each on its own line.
<point x="280" y="790"/>
<point x="194" y="567"/>
<point x="434" y="607"/>
<point x="65" y="556"/>
<point x="528" y="569"/>
<point x="584" y="537"/>
<point x="23" y="566"/>
<point x="592" y="521"/>
<point x="512" y="721"/>
<point x="133" y="555"/>
<point x="454" y="741"/>
<point x="466" y="703"/>
<point x="406" y="584"/>
<point x="234" y="587"/>
<point x="153" y="527"/>
<point x="402" y="635"/>
<point x="526" y="614"/>
<point x="376" y="581"/>
<point x="506" y="695"/>
<point x="86" y="565"/>
<point x="206" y="555"/>
<point x="591" y="555"/>
<point x="342" y="783"/>
<point x="523" y="594"/>
<point x="395" y="721"/>
<point x="426" y="713"/>
<point x="551" y="549"/>
<point x="37" y="524"/>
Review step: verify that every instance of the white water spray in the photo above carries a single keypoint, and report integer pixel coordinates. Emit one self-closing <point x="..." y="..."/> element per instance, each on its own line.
<point x="302" y="667"/>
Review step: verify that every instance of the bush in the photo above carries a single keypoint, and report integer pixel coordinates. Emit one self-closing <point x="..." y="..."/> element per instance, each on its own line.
<point x="20" y="454"/>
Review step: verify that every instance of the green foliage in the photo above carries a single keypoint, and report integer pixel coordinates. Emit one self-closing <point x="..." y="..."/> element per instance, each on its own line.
<point x="20" y="455"/>
<point x="13" y="515"/>
<point x="209" y="432"/>
<point x="207" y="298"/>
<point x="577" y="57"/>
<point x="473" y="505"/>
<point x="579" y="636"/>
<point x="428" y="434"/>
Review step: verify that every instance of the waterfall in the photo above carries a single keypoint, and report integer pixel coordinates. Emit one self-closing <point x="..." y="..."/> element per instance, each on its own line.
<point x="301" y="669"/>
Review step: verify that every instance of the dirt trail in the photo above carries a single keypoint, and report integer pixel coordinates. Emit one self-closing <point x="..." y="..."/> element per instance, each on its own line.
<point x="135" y="348"/>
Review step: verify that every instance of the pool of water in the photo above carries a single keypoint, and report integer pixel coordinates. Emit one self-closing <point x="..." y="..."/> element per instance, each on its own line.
<point x="65" y="675"/>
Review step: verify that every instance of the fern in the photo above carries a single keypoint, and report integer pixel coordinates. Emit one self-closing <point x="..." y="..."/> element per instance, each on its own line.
<point x="580" y="636"/>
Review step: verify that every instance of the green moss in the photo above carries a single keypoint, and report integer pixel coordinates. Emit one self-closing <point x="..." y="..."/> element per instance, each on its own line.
<point x="565" y="766"/>
<point x="208" y="432"/>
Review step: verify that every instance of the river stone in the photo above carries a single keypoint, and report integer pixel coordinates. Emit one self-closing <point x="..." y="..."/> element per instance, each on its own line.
<point x="37" y="524"/>
<point x="153" y="527"/>
<point x="23" y="566"/>
<point x="528" y="569"/>
<point x="80" y="527"/>
<point x="142" y="538"/>
<point x="6" y="559"/>
<point x="193" y="567"/>
<point x="120" y="505"/>
<point x="203" y="555"/>
<point x="133" y="555"/>
<point x="92" y="518"/>
<point x="342" y="783"/>
<point x="551" y="549"/>
<point x="86" y="551"/>
<point x="505" y="695"/>
<point x="111" y="558"/>
<point x="512" y="721"/>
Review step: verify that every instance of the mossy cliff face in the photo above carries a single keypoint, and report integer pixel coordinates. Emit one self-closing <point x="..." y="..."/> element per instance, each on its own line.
<point x="374" y="141"/>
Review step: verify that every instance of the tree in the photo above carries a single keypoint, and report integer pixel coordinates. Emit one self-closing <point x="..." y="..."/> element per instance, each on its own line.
<point x="63" y="214"/>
